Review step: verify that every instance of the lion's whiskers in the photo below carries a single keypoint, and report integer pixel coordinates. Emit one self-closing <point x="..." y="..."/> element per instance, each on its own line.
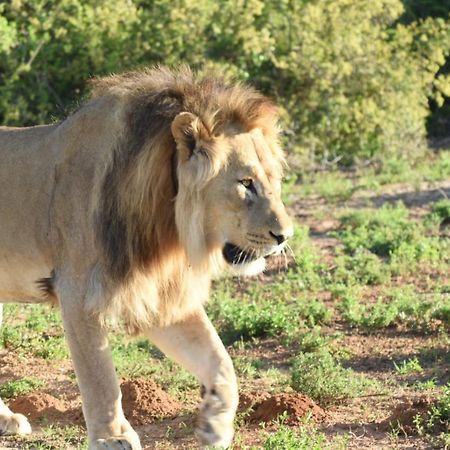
<point x="286" y="264"/>
<point x="290" y="250"/>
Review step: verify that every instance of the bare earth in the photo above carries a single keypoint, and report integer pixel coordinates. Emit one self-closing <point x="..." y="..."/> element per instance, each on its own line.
<point x="164" y="422"/>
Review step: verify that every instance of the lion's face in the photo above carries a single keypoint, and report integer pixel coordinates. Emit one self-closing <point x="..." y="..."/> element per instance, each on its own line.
<point x="240" y="177"/>
<point x="245" y="214"/>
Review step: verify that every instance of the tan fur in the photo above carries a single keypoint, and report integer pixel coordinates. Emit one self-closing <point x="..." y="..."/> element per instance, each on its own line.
<point x="124" y="211"/>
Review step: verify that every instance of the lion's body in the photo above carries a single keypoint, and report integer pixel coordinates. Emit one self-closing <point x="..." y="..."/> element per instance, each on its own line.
<point x="124" y="210"/>
<point x="53" y="176"/>
<point x="26" y="185"/>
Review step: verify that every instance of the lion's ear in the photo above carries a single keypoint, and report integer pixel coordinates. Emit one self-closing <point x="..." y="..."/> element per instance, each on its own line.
<point x="188" y="132"/>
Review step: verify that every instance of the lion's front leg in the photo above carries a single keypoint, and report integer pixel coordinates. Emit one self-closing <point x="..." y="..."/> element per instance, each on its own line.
<point x="107" y="427"/>
<point x="194" y="343"/>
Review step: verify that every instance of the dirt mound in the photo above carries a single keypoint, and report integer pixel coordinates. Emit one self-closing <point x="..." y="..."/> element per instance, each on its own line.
<point x="264" y="407"/>
<point x="40" y="405"/>
<point x="249" y="400"/>
<point x="406" y="413"/>
<point x="143" y="401"/>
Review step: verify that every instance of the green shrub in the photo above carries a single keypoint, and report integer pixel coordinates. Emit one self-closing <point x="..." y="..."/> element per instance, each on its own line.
<point x="388" y="232"/>
<point x="361" y="267"/>
<point x="353" y="82"/>
<point x="301" y="438"/>
<point x="401" y="306"/>
<point x="320" y="376"/>
<point x="440" y="212"/>
<point x="246" y="318"/>
<point x="19" y="387"/>
<point x="52" y="47"/>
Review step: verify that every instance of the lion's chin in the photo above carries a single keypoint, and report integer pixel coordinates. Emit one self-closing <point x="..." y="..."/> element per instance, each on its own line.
<point x="249" y="269"/>
<point x="241" y="261"/>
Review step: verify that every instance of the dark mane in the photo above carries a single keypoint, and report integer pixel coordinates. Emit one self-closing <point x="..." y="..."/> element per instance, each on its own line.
<point x="151" y="99"/>
<point x="212" y="98"/>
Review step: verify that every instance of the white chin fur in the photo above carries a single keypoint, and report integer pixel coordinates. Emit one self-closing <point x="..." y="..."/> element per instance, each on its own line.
<point x="251" y="268"/>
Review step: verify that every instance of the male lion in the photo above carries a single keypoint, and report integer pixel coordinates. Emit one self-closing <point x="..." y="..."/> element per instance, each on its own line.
<point x="126" y="209"/>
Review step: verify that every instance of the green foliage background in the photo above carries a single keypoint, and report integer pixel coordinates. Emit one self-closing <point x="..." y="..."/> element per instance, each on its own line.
<point x="353" y="80"/>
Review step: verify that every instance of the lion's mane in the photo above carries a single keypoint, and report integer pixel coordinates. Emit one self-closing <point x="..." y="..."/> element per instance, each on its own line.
<point x="153" y="264"/>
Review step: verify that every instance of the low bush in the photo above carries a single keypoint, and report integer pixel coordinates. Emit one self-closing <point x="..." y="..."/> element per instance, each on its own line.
<point x="353" y="81"/>
<point x="320" y="376"/>
<point x="19" y="387"/>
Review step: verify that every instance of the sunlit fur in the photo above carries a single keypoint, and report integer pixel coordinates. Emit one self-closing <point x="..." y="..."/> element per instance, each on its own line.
<point x="125" y="210"/>
<point x="162" y="267"/>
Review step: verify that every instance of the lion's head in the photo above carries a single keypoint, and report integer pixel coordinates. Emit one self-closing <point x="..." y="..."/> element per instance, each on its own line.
<point x="230" y="179"/>
<point x="192" y="183"/>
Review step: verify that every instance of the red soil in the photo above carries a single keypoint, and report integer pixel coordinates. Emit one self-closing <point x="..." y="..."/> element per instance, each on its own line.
<point x="41" y="406"/>
<point x="263" y="407"/>
<point x="144" y="401"/>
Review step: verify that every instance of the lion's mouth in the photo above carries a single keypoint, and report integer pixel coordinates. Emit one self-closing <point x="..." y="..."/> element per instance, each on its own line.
<point x="236" y="255"/>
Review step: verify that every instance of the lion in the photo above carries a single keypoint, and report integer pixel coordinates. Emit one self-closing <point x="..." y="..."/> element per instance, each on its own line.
<point x="126" y="210"/>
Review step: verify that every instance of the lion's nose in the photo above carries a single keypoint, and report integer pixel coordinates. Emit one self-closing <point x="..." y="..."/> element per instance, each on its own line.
<point x="280" y="238"/>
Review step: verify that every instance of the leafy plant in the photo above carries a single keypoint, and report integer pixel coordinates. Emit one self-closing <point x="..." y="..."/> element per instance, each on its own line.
<point x="407" y="367"/>
<point x="288" y="438"/>
<point x="388" y="233"/>
<point x="440" y="212"/>
<point x="22" y="386"/>
<point x="320" y="376"/>
<point x="248" y="319"/>
<point x="352" y="80"/>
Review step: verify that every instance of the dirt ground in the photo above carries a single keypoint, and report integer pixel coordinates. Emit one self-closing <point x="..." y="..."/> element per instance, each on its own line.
<point x="160" y="419"/>
<point x="164" y="422"/>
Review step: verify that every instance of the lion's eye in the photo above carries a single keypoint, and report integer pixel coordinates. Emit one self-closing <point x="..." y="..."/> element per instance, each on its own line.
<point x="248" y="184"/>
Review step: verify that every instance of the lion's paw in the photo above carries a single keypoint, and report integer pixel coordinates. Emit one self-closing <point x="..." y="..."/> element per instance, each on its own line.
<point x="128" y="441"/>
<point x="216" y="432"/>
<point x="215" y="421"/>
<point x="14" y="424"/>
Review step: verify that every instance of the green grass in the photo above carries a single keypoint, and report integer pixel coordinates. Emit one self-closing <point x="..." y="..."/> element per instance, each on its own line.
<point x="379" y="244"/>
<point x="304" y="437"/>
<point x="307" y="272"/>
<point x="22" y="386"/>
<point x="34" y="329"/>
<point x="440" y="412"/>
<point x="54" y="438"/>
<point x="335" y="186"/>
<point x="398" y="307"/>
<point x="385" y="268"/>
<point x="256" y="314"/>
<point x="319" y="375"/>
<point x="440" y="212"/>
<point x="288" y="438"/>
<point x="408" y="367"/>
<point x="424" y="385"/>
<point x="247" y="318"/>
<point x="381" y="231"/>
<point x="362" y="267"/>
<point x="436" y="419"/>
<point x="139" y="358"/>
